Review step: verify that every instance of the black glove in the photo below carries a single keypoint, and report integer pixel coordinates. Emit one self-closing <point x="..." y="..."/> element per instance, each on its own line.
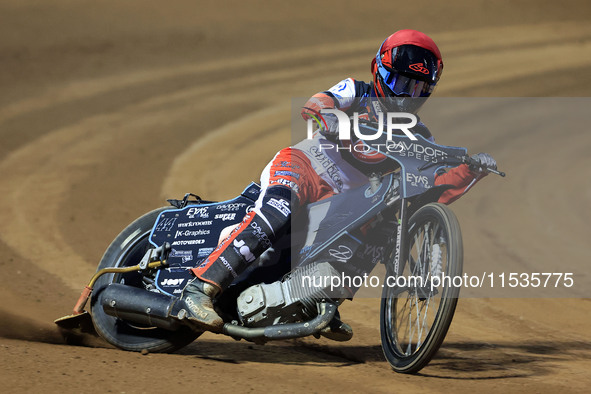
<point x="482" y="161"/>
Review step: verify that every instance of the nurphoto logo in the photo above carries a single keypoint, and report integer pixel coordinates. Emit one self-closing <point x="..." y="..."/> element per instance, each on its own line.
<point x="344" y="124"/>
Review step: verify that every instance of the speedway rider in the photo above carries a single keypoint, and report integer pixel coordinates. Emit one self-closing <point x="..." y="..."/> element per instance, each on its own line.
<point x="407" y="67"/>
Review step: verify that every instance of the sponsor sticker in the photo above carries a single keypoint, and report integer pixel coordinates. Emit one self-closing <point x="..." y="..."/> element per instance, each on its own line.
<point x="169" y="282"/>
<point x="287" y="173"/>
<point x="196" y="224"/>
<point x="225" y="216"/>
<point x="201" y="212"/>
<point x="418" y="180"/>
<point x="191" y="233"/>
<point x="260" y="234"/>
<point x="234" y="206"/>
<point x="287" y="164"/>
<point x="186" y="255"/>
<point x="228" y="266"/>
<point x="189" y="242"/>
<point x="280" y="205"/>
<point x="244" y="250"/>
<point x="292" y="185"/>
<point x="204" y="252"/>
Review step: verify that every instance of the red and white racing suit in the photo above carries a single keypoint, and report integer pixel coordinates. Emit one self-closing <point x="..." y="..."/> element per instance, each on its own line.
<point x="305" y="173"/>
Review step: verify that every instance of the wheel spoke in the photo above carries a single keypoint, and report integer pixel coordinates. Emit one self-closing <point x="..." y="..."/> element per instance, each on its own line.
<point x="418" y="247"/>
<point x="426" y="304"/>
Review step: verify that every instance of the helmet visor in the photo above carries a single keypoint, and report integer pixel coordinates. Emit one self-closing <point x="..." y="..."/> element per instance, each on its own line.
<point x="415" y="62"/>
<point x="403" y="86"/>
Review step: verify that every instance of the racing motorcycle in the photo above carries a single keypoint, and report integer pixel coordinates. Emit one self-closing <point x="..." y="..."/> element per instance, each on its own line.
<point x="134" y="293"/>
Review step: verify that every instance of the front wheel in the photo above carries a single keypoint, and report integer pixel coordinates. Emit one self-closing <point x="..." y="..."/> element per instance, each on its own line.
<point x="416" y="313"/>
<point x="127" y="250"/>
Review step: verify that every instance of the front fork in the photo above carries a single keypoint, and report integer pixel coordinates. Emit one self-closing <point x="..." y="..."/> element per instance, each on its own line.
<point x="401" y="243"/>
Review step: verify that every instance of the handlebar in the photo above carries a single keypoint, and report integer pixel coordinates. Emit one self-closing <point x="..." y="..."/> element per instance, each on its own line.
<point x="454" y="159"/>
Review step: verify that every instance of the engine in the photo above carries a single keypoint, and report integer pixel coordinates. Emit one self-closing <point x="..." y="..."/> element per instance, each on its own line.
<point x="290" y="300"/>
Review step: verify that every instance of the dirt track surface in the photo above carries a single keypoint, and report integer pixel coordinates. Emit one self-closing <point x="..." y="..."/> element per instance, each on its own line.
<point x="107" y="108"/>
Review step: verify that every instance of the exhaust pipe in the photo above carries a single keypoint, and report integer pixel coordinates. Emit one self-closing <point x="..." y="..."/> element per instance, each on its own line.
<point x="140" y="306"/>
<point x="283" y="331"/>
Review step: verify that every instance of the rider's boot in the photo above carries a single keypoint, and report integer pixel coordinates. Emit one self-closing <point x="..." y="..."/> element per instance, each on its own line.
<point x="196" y="301"/>
<point x="256" y="233"/>
<point x="337" y="330"/>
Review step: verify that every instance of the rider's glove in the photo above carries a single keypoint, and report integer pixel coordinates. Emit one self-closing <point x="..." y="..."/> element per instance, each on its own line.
<point x="482" y="161"/>
<point x="329" y="125"/>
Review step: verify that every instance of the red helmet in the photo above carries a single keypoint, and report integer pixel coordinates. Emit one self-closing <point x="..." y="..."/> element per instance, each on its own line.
<point x="408" y="64"/>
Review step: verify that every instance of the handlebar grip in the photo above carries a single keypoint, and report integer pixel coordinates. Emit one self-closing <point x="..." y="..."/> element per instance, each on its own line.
<point x="471" y="162"/>
<point x="501" y="173"/>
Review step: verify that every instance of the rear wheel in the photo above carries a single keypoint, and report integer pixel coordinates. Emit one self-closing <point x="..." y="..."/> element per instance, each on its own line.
<point x="127" y="250"/>
<point x="415" y="315"/>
